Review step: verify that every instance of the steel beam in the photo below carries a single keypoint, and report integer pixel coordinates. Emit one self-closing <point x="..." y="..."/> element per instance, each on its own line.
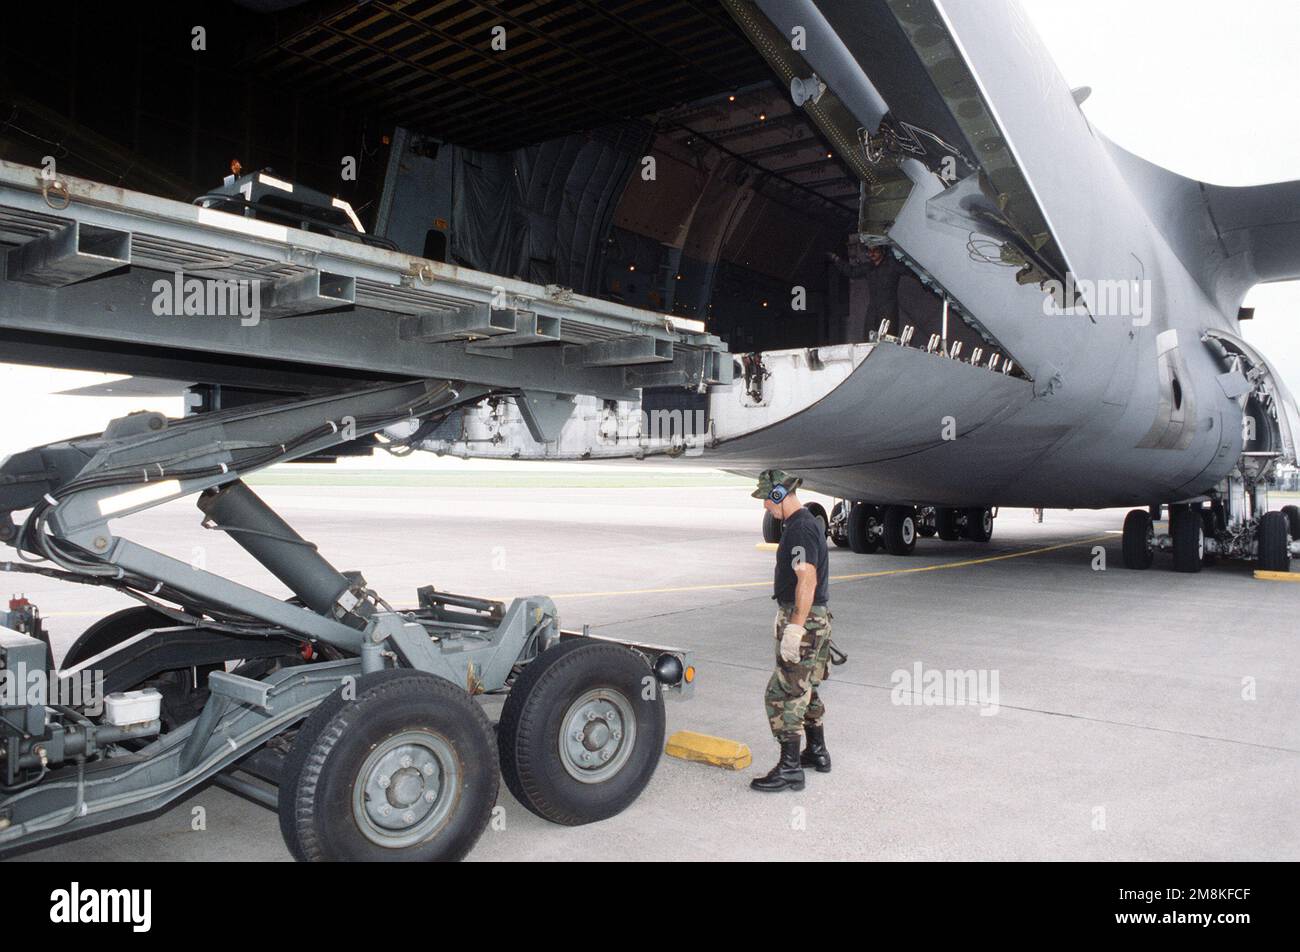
<point x="73" y="253"/>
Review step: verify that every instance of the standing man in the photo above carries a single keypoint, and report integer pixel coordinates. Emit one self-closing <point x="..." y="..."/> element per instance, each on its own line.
<point x="883" y="278"/>
<point x="803" y="635"/>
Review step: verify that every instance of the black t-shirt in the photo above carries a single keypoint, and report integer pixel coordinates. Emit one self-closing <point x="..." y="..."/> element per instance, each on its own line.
<point x="802" y="539"/>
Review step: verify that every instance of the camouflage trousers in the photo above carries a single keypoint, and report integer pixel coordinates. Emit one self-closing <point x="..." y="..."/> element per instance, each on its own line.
<point x="791" y="698"/>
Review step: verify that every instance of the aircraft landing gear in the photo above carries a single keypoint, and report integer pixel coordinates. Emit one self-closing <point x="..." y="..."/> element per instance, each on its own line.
<point x="1139" y="540"/>
<point x="1274" y="543"/>
<point x="899" y="530"/>
<point x="1236" y="524"/>
<point x="771" y="528"/>
<point x="839" y="524"/>
<point x="1187" y="538"/>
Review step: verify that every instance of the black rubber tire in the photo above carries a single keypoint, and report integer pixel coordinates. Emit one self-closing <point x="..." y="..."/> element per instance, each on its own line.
<point x="317" y="783"/>
<point x="1210" y="528"/>
<point x="113" y="630"/>
<point x="771" y="528"/>
<point x="819" y="513"/>
<point x="840" y="538"/>
<point x="531" y="720"/>
<point x="1292" y="514"/>
<point x="1273" y="550"/>
<point x="1188" y="538"/>
<point x="979" y="524"/>
<point x="181" y="700"/>
<point x="900" y="530"/>
<point x="945" y="524"/>
<point x="1138" y="540"/>
<point x="862" y="517"/>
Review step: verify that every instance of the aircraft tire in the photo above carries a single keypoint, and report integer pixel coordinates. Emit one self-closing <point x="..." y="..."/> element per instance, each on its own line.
<point x="1188" y="535"/>
<point x="1273" y="552"/>
<point x="862" y="519"/>
<point x="357" y="780"/>
<point x="1211" y="523"/>
<point x="1139" y="543"/>
<point x="589" y="688"/>
<point x="945" y="524"/>
<point x="771" y="528"/>
<point x="819" y="514"/>
<point x="1292" y="514"/>
<point x="979" y="524"/>
<point x="900" y="529"/>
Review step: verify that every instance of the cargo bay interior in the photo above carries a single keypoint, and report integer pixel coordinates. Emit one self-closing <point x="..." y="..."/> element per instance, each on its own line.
<point x="639" y="151"/>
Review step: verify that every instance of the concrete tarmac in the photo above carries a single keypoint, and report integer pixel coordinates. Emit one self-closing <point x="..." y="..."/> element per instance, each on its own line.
<point x="1123" y="715"/>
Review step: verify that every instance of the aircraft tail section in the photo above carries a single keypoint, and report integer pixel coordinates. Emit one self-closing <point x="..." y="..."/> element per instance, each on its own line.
<point x="1229" y="238"/>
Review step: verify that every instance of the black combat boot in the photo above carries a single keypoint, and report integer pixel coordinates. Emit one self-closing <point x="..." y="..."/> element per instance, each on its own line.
<point x="787" y="774"/>
<point x="816" y="755"/>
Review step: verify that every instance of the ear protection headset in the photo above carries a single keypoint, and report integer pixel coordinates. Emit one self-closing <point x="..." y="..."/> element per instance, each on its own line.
<point x="778" y="493"/>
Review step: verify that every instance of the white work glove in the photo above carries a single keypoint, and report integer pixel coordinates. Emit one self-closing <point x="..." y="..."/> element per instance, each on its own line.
<point x="791" y="639"/>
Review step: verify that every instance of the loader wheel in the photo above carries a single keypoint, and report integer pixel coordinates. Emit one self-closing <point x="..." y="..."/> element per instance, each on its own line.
<point x="771" y="528"/>
<point x="404" y="772"/>
<point x="112" y="630"/>
<point x="1139" y="540"/>
<point x="1273" y="543"/>
<point x="900" y="529"/>
<point x="579" y="738"/>
<point x="184" y="690"/>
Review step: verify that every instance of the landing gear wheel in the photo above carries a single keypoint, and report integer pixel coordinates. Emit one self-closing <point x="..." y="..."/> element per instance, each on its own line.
<point x="1273" y="552"/>
<point x="1188" y="535"/>
<point x="839" y="526"/>
<point x="771" y="528"/>
<point x="1292" y="514"/>
<point x="819" y="514"/>
<point x="1139" y="540"/>
<point x="1211" y="524"/>
<point x="863" y="520"/>
<point x="945" y="524"/>
<point x="404" y="772"/>
<point x="900" y="529"/>
<point x="979" y="524"/>
<point x="578" y="738"/>
<point x="925" y="519"/>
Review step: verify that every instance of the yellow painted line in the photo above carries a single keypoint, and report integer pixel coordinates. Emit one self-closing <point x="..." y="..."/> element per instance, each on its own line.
<point x="966" y="562"/>
<point x="704" y="749"/>
<point x="835" y="578"/>
<point x="1276" y="576"/>
<point x="767" y="546"/>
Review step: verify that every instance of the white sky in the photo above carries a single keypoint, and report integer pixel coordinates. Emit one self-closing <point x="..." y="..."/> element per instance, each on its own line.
<point x="1204" y="88"/>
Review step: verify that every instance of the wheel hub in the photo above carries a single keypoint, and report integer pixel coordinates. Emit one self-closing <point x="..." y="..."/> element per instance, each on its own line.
<point x="405" y="789"/>
<point x="598" y="732"/>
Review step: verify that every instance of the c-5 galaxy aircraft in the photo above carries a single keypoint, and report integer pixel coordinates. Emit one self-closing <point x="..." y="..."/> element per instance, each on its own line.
<point x="1098" y="296"/>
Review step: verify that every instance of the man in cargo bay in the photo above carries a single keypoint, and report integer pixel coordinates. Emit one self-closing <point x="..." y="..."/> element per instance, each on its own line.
<point x="802" y="632"/>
